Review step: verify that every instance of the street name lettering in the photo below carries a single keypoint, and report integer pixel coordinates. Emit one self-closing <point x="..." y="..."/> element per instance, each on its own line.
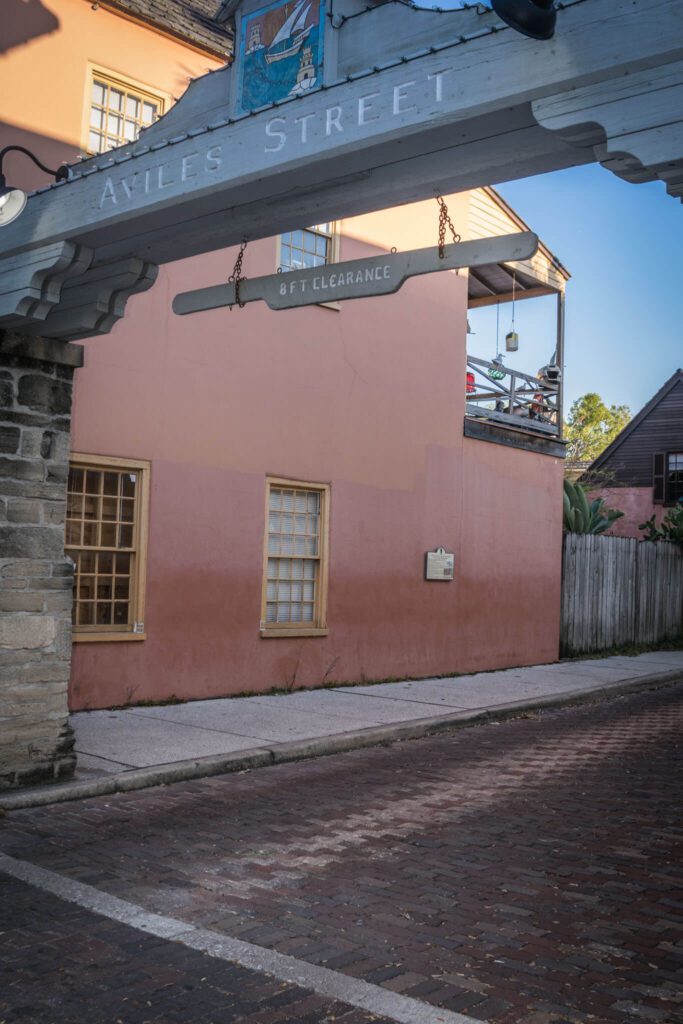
<point x="161" y="176"/>
<point x="376" y="108"/>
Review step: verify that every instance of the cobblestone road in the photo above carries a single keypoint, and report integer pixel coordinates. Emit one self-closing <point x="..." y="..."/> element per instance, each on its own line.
<point x="522" y="873"/>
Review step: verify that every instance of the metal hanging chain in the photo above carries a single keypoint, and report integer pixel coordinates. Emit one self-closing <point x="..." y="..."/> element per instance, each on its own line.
<point x="237" y="277"/>
<point x="514" y="284"/>
<point x="444" y="222"/>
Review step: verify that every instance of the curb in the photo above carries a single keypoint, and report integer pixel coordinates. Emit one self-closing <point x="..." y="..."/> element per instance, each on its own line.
<point x="301" y="750"/>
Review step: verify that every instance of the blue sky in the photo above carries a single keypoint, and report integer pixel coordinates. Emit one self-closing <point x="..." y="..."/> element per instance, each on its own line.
<point x="623" y="245"/>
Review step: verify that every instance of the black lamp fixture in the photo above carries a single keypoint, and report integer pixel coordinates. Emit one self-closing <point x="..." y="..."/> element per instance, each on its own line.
<point x="13" y="200"/>
<point x="533" y="18"/>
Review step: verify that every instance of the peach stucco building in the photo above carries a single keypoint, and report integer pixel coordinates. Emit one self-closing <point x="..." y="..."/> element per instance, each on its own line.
<point x="253" y="494"/>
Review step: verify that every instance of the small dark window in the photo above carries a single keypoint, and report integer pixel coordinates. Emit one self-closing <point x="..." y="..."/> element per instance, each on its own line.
<point x="674" y="477"/>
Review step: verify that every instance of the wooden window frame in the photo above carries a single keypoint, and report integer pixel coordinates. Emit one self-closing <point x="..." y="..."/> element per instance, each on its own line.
<point x="668" y="499"/>
<point x="335" y="253"/>
<point x="120" y="81"/>
<point x="319" y="628"/>
<point x="102" y="634"/>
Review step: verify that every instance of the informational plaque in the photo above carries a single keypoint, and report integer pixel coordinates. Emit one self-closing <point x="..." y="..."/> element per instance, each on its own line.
<point x="439" y="565"/>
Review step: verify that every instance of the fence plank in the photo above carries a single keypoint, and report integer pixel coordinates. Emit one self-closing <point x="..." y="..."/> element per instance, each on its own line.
<point x="618" y="591"/>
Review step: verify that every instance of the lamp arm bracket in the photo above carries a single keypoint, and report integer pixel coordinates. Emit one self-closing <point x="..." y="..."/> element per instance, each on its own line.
<point x="61" y="174"/>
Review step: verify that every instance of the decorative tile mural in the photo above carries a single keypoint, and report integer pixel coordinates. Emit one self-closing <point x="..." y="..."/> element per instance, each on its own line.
<point x="281" y="52"/>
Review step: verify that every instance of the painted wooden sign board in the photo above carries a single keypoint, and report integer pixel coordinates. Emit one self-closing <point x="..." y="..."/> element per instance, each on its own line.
<point x="358" y="279"/>
<point x="383" y="106"/>
<point x="439" y="565"/>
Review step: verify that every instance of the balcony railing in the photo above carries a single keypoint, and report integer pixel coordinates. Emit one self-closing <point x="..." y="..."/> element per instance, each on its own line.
<point x="496" y="392"/>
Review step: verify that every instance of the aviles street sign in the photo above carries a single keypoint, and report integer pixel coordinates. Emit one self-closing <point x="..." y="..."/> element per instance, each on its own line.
<point x="358" y="279"/>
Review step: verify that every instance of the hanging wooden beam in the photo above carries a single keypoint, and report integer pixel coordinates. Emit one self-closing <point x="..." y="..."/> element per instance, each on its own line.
<point x="357" y="279"/>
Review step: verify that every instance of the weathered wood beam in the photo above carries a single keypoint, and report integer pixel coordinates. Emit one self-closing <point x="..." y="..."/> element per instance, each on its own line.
<point x="442" y="110"/>
<point x="169" y="179"/>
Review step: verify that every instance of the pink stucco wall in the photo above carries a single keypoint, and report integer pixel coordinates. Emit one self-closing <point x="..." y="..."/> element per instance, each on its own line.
<point x="636" y="504"/>
<point x="369" y="399"/>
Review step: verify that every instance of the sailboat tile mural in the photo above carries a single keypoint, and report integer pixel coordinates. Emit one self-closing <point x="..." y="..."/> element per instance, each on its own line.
<point x="281" y="52"/>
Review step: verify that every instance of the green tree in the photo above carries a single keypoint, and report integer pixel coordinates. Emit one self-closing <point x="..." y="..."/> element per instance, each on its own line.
<point x="591" y="426"/>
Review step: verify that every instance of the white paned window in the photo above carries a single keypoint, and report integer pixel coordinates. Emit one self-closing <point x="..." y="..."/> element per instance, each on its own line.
<point x="295" y="556"/>
<point x="308" y="247"/>
<point x="118" y="111"/>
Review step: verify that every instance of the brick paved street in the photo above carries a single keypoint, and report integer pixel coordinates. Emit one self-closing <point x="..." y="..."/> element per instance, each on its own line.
<point x="521" y="873"/>
<point x="69" y="966"/>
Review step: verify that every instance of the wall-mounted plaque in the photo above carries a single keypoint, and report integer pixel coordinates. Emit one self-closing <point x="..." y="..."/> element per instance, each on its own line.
<point x="439" y="565"/>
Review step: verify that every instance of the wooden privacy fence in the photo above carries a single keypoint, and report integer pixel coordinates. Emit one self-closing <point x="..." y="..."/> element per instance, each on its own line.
<point x="618" y="591"/>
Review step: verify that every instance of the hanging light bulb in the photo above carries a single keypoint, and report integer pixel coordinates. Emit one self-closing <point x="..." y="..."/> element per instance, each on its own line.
<point x="512" y="339"/>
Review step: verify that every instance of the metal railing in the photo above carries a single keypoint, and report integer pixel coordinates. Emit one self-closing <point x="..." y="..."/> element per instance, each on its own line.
<point x="496" y="392"/>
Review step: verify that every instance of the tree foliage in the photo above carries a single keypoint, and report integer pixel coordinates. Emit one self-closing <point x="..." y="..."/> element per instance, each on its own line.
<point x="591" y="426"/>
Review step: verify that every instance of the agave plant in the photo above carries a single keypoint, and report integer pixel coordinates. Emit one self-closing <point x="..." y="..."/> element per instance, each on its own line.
<point x="584" y="516"/>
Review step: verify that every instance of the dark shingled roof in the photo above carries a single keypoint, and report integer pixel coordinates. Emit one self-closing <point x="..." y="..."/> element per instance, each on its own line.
<point x="194" y="20"/>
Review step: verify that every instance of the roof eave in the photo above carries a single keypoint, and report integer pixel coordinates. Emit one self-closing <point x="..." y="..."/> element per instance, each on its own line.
<point x="668" y="385"/>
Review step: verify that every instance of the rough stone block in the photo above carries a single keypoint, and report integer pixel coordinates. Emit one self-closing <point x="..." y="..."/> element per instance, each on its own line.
<point x="22" y="601"/>
<point x="28" y="632"/>
<point x="31" y="440"/>
<point x="22" y="567"/>
<point x="46" y="444"/>
<point x="6" y="388"/>
<point x="9" y="439"/>
<point x="57" y="471"/>
<point x="27" y="419"/>
<point x="32" y="541"/>
<point x="33" y="489"/>
<point x="22" y="469"/>
<point x="23" y="510"/>
<point x="63" y="638"/>
<point x="61" y="446"/>
<point x="44" y="394"/>
<point x="54" y="512"/>
<point x="60" y="601"/>
<point x="50" y="583"/>
<point x="10" y="657"/>
<point x="44" y="671"/>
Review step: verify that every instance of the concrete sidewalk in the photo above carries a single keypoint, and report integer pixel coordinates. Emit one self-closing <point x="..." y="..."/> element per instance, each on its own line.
<point x="145" y="746"/>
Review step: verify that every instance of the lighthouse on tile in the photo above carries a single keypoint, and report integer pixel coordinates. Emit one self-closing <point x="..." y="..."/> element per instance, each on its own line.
<point x="306" y="76"/>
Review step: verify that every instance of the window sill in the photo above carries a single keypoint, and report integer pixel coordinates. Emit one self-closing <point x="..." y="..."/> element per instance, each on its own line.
<point x="268" y="634"/>
<point x="90" y="638"/>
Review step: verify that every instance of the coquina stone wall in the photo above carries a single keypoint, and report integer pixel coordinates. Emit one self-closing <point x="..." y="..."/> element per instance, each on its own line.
<point x="36" y="376"/>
